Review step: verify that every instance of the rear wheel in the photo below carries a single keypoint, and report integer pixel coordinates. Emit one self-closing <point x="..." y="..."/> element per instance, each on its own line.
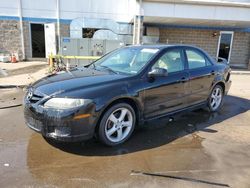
<point x="117" y="124"/>
<point x="215" y="99"/>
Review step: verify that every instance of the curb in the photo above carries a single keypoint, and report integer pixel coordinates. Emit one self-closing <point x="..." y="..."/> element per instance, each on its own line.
<point x="11" y="106"/>
<point x="240" y="72"/>
<point x="12" y="86"/>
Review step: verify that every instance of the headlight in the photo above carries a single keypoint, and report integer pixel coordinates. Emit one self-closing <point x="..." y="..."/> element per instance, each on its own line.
<point x="65" y="103"/>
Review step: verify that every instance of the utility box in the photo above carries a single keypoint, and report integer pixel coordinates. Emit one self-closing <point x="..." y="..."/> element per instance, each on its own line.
<point x="83" y="50"/>
<point x="97" y="47"/>
<point x="69" y="46"/>
<point x="111" y="45"/>
<point x="86" y="47"/>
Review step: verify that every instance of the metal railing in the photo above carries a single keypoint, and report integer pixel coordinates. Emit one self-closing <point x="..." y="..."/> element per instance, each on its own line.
<point x="60" y="62"/>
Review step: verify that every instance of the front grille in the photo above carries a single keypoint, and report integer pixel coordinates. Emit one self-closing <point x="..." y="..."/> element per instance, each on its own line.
<point x="31" y="120"/>
<point x="35" y="98"/>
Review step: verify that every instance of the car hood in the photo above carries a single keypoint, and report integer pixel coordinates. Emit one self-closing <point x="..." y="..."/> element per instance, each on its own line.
<point x="73" y="80"/>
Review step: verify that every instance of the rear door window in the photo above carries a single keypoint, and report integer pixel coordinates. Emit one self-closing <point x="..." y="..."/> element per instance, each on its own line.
<point x="195" y="59"/>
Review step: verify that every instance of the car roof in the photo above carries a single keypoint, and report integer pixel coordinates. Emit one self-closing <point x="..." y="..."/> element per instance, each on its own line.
<point x="161" y="46"/>
<point x="165" y="46"/>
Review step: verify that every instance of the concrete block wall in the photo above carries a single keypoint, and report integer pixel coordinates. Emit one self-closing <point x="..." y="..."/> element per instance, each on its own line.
<point x="249" y="56"/>
<point x="65" y="30"/>
<point x="241" y="49"/>
<point x="201" y="38"/>
<point x="10" y="38"/>
<point x="204" y="39"/>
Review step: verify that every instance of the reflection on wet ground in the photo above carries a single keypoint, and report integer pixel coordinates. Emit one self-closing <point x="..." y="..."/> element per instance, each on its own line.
<point x="161" y="132"/>
<point x="198" y="149"/>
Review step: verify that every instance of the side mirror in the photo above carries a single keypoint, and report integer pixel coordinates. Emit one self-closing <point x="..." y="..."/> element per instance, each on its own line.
<point x="222" y="60"/>
<point x="158" y="72"/>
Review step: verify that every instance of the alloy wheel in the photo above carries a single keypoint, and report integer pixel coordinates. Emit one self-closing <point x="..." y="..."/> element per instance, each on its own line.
<point x="119" y="124"/>
<point x="216" y="98"/>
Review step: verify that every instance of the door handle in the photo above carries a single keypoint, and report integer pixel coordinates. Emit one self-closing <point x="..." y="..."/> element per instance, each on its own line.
<point x="183" y="80"/>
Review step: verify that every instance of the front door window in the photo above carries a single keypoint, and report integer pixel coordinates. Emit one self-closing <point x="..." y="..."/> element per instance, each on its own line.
<point x="171" y="61"/>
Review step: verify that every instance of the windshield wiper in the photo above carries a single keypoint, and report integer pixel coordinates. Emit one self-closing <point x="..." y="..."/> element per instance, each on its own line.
<point x="90" y="65"/>
<point x="108" y="68"/>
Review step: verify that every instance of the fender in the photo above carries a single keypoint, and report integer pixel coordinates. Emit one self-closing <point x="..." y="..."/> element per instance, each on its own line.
<point x="124" y="92"/>
<point x="219" y="78"/>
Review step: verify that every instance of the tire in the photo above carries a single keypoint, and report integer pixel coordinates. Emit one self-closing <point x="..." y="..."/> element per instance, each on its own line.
<point x="215" y="99"/>
<point x="117" y="124"/>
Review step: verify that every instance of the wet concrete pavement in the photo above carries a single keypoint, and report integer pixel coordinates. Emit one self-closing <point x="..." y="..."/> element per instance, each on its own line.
<point x="22" y="73"/>
<point x="198" y="149"/>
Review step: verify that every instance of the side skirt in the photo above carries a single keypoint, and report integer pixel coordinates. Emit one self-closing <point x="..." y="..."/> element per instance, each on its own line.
<point x="176" y="112"/>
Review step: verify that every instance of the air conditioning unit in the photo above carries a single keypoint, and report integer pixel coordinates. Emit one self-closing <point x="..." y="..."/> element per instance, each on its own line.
<point x="5" y="59"/>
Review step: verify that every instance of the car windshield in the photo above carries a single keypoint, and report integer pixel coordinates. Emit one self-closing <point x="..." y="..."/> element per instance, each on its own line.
<point x="126" y="60"/>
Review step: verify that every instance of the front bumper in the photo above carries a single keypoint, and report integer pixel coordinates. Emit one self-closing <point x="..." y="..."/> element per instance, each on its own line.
<point x="61" y="125"/>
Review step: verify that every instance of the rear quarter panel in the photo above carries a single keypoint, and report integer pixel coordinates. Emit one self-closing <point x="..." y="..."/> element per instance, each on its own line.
<point x="222" y="74"/>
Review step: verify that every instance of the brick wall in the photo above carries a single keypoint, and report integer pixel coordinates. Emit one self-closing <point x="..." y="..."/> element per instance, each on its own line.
<point x="201" y="38"/>
<point x="65" y="30"/>
<point x="10" y="38"/>
<point x="204" y="39"/>
<point x="248" y="51"/>
<point x="241" y="49"/>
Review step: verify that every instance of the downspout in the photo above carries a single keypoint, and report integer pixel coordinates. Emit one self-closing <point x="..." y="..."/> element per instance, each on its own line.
<point x="21" y="27"/>
<point x="58" y="24"/>
<point x="134" y="29"/>
<point x="139" y="24"/>
<point x="138" y="30"/>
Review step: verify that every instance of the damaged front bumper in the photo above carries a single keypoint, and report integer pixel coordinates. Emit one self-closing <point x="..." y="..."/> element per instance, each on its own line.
<point x="61" y="124"/>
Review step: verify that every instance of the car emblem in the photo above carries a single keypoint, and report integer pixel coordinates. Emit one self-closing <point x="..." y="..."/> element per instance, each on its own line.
<point x="29" y="95"/>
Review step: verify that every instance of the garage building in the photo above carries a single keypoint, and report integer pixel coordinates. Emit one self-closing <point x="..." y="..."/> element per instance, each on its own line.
<point x="221" y="27"/>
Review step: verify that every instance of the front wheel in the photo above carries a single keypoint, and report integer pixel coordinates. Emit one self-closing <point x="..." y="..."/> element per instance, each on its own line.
<point x="117" y="124"/>
<point x="215" y="99"/>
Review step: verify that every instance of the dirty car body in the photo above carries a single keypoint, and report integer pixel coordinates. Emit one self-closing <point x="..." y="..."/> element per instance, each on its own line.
<point x="69" y="106"/>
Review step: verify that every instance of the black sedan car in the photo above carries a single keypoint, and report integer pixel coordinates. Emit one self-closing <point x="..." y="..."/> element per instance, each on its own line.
<point x="123" y="89"/>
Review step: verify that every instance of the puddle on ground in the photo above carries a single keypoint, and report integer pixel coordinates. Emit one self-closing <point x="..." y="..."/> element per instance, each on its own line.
<point x="168" y="148"/>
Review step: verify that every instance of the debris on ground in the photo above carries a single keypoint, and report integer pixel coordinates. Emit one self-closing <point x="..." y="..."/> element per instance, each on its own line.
<point x="6" y="164"/>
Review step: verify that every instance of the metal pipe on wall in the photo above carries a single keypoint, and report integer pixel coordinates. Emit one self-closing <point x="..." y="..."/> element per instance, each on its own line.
<point x="21" y="27"/>
<point x="138" y="29"/>
<point x="139" y="23"/>
<point x="58" y="24"/>
<point x="134" y="29"/>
